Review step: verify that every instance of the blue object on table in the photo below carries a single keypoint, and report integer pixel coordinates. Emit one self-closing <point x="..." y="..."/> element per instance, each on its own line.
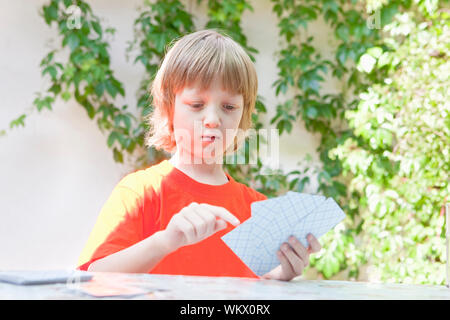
<point x="44" y="277"/>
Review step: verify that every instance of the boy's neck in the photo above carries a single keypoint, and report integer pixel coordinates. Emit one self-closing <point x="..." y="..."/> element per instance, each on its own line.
<point x="208" y="173"/>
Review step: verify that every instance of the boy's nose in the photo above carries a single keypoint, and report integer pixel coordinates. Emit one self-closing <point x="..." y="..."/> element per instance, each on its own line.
<point x="211" y="119"/>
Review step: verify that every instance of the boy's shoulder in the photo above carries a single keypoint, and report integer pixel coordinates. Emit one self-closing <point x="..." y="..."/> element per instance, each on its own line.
<point x="141" y="179"/>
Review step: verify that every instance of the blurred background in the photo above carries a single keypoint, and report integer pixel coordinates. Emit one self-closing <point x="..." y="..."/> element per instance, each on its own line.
<point x="357" y="89"/>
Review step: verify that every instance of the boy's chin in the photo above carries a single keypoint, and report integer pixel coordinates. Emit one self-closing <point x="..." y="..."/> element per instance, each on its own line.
<point x="209" y="153"/>
<point x="212" y="158"/>
<point x="205" y="155"/>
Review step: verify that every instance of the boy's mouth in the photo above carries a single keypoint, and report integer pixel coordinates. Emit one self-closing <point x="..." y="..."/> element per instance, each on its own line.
<point x="208" y="138"/>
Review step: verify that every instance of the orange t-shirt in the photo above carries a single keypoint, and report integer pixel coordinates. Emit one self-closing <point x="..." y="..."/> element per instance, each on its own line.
<point x="143" y="203"/>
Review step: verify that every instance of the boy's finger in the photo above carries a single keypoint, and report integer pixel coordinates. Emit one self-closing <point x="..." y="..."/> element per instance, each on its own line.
<point x="301" y="251"/>
<point x="296" y="263"/>
<point x="220" y="225"/>
<point x="199" y="224"/>
<point x="212" y="223"/>
<point x="314" y="245"/>
<point x="187" y="228"/>
<point x="222" y="213"/>
<point x="285" y="265"/>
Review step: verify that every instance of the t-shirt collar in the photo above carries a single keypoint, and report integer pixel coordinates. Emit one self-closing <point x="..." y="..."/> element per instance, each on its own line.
<point x="193" y="186"/>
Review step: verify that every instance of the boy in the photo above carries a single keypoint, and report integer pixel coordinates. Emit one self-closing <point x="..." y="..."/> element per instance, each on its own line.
<point x="169" y="218"/>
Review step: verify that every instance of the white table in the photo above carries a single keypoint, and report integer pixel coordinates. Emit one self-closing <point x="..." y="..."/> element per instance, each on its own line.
<point x="212" y="288"/>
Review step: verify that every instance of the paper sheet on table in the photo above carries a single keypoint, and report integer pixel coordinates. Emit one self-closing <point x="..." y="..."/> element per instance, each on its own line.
<point x="114" y="285"/>
<point x="257" y="240"/>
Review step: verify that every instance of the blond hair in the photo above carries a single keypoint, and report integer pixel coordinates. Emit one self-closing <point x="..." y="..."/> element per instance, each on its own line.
<point x="198" y="58"/>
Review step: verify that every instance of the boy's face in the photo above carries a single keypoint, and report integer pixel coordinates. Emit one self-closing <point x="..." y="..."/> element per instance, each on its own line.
<point x="205" y="123"/>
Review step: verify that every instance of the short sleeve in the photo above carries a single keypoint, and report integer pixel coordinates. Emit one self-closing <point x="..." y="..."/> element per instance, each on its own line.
<point x="252" y="195"/>
<point x="260" y="196"/>
<point x="256" y="195"/>
<point x="118" y="226"/>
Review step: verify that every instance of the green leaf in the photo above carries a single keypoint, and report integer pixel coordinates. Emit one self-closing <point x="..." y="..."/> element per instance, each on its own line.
<point x="118" y="85"/>
<point x="311" y="112"/>
<point x="342" y="54"/>
<point x="51" y="70"/>
<point x="73" y="41"/>
<point x="330" y="5"/>
<point x="112" y="137"/>
<point x="43" y="103"/>
<point x="89" y="108"/>
<point x="324" y="175"/>
<point x="342" y="32"/>
<point x="55" y="88"/>
<point x="278" y="9"/>
<point x="280" y="126"/>
<point x="127" y="121"/>
<point x="160" y="42"/>
<point x="110" y="88"/>
<point x="18" y="122"/>
<point x="99" y="89"/>
<point x="97" y="28"/>
<point x="50" y="13"/>
<point x="118" y="156"/>
<point x="66" y="95"/>
<point x="388" y="12"/>
<point x="48" y="58"/>
<point x="302" y="184"/>
<point x="375" y="52"/>
<point x="331" y="266"/>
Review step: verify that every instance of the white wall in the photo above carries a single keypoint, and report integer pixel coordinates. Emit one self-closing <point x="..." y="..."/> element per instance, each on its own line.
<point x="56" y="173"/>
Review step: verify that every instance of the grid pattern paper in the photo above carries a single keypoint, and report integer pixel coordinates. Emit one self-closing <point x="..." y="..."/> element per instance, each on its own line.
<point x="257" y="240"/>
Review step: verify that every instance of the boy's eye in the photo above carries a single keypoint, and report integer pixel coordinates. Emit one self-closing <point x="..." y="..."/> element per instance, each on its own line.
<point x="229" y="107"/>
<point x="226" y="106"/>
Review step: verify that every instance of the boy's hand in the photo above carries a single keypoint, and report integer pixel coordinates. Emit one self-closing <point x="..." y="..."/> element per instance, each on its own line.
<point x="294" y="258"/>
<point x="195" y="223"/>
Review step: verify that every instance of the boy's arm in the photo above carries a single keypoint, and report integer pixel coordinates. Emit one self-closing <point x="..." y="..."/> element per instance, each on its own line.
<point x="192" y="224"/>
<point x="138" y="258"/>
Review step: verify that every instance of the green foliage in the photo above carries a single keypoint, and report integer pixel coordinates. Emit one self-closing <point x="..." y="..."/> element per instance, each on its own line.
<point x="302" y="72"/>
<point x="384" y="130"/>
<point x="399" y="158"/>
<point x="85" y="75"/>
